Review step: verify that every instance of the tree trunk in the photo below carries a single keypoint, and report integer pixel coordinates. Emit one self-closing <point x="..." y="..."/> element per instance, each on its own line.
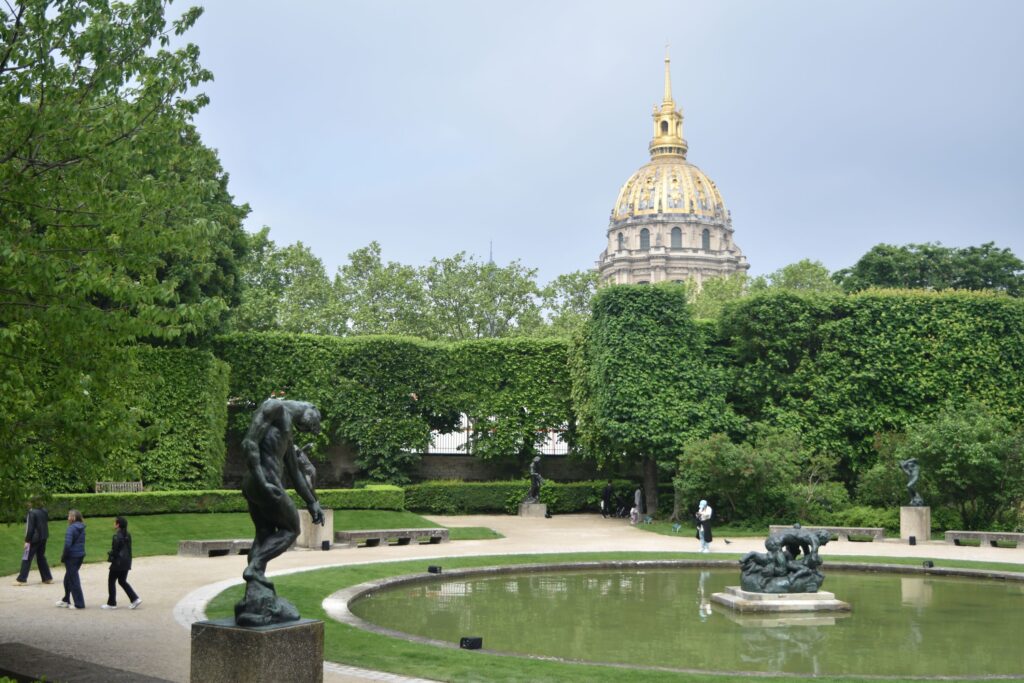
<point x="677" y="506"/>
<point x="651" y="484"/>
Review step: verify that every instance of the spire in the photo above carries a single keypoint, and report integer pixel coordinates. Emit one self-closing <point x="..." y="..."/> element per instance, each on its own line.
<point x="668" y="80"/>
<point x="668" y="122"/>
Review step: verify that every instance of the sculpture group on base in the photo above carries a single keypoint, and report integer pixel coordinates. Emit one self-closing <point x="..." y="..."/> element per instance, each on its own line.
<point x="269" y="452"/>
<point x="790" y="565"/>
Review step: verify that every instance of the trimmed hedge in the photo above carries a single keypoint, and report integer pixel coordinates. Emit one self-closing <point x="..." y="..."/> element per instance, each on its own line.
<point x="384" y="394"/>
<point x="844" y="369"/>
<point x="374" y="497"/>
<point x="461" y="497"/>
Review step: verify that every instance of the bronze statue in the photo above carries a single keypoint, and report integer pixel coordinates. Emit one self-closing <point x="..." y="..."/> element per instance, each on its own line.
<point x="269" y="452"/>
<point x="913" y="472"/>
<point x="535" y="482"/>
<point x="791" y="565"/>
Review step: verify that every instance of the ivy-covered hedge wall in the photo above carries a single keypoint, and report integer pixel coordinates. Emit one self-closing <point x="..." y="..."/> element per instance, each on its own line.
<point x="374" y="497"/>
<point x="177" y="399"/>
<point x="383" y="395"/>
<point x="844" y="369"/>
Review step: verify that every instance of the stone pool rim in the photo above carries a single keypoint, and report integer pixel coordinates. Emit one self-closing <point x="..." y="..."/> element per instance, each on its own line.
<point x="336" y="605"/>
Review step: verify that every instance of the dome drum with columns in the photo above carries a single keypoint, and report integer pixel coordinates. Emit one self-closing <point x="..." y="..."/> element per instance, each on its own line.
<point x="669" y="222"/>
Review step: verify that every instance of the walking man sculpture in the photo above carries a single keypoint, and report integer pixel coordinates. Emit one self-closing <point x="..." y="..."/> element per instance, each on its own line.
<point x="269" y="451"/>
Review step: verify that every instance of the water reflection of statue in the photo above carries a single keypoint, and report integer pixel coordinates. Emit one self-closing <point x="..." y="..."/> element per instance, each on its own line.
<point x="791" y="565"/>
<point x="535" y="482"/>
<point x="913" y="472"/>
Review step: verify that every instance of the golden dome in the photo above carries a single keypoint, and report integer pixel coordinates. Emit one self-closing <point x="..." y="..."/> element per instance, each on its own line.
<point x="669" y="186"/>
<point x="669" y="183"/>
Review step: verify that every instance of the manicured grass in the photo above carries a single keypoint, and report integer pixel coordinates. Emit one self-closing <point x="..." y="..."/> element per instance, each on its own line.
<point x="352" y="646"/>
<point x="688" y="530"/>
<point x="472" y="533"/>
<point x="350" y="520"/>
<point x="159" y="534"/>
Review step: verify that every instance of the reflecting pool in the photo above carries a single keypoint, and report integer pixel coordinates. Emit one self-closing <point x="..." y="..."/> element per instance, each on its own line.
<point x="899" y="626"/>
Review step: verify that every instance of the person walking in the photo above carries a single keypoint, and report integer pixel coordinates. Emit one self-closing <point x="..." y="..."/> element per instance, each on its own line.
<point x="120" y="558"/>
<point x="72" y="558"/>
<point x="37" y="531"/>
<point x="703" y="517"/>
<point x="606" y="500"/>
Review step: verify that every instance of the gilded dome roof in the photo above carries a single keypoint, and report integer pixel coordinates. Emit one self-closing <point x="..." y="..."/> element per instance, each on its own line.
<point x="669" y="185"/>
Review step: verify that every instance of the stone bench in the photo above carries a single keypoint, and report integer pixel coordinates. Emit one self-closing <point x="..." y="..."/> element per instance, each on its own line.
<point x="843" y="533"/>
<point x="992" y="537"/>
<point x="215" y="548"/>
<point x="119" y="487"/>
<point x="372" y="538"/>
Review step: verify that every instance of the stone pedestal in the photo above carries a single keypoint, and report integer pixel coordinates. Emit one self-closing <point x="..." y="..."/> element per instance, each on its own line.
<point x="224" y="652"/>
<point x="916" y="521"/>
<point x="313" y="535"/>
<point x="740" y="600"/>
<point x="533" y="510"/>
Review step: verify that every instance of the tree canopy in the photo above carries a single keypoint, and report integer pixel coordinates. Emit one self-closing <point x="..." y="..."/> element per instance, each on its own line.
<point x="933" y="266"/>
<point x="116" y="225"/>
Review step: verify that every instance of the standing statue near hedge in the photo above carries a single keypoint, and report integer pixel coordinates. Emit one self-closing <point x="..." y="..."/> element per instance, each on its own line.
<point x="535" y="482"/>
<point x="269" y="450"/>
<point x="913" y="472"/>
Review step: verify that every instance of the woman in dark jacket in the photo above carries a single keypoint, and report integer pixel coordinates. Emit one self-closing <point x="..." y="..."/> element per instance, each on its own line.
<point x="72" y="558"/>
<point x="120" y="557"/>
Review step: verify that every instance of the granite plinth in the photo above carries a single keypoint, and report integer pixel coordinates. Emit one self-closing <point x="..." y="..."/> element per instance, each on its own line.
<point x="223" y="652"/>
<point x="533" y="510"/>
<point x="740" y="600"/>
<point x="313" y="535"/>
<point x="916" y="521"/>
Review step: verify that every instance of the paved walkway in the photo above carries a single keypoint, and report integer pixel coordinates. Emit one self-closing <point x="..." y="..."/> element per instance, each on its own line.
<point x="154" y="639"/>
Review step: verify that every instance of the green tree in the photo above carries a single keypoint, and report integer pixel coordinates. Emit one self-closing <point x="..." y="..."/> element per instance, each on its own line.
<point x="286" y="290"/>
<point x="643" y="385"/>
<point x="566" y="302"/>
<point x="975" y="459"/>
<point x="716" y="293"/>
<point x="933" y="266"/>
<point x="115" y="224"/>
<point x="802" y="276"/>
<point x="743" y="482"/>
<point x="469" y="299"/>
<point x="381" y="298"/>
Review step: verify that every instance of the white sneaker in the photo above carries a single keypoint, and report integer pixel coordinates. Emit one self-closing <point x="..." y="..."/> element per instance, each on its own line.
<point x="106" y="606"/>
<point x="135" y="603"/>
<point x="61" y="603"/>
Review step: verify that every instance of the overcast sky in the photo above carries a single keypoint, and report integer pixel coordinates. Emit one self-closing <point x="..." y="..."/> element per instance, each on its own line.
<point x="437" y="127"/>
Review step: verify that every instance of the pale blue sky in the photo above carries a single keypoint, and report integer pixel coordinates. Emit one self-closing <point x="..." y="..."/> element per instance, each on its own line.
<point x="437" y="127"/>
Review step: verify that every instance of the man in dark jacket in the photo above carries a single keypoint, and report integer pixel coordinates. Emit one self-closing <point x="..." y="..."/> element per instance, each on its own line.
<point x="37" y="530"/>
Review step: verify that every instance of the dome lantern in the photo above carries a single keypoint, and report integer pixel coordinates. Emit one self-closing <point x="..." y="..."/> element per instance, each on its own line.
<point x="668" y="123"/>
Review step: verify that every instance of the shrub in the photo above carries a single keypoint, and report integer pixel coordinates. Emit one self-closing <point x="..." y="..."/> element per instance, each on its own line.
<point x="461" y="497"/>
<point x="376" y="497"/>
<point x="864" y="515"/>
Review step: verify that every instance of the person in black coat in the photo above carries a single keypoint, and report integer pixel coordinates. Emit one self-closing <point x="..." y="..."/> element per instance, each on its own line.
<point x="120" y="558"/>
<point x="37" y="531"/>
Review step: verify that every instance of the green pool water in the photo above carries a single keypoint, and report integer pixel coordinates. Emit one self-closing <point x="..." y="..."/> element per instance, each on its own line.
<point x="899" y="626"/>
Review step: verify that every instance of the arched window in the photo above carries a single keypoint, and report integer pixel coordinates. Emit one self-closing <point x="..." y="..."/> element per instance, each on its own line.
<point x="622" y="242"/>
<point x="705" y="240"/>
<point x="645" y="239"/>
<point x="677" y="238"/>
<point x="664" y="127"/>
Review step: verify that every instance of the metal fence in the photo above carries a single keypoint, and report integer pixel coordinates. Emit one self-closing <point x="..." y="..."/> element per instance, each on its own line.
<point x="460" y="441"/>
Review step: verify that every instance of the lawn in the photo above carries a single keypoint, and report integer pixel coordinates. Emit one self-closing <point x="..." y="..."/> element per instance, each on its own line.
<point x="159" y="534"/>
<point x="351" y="646"/>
